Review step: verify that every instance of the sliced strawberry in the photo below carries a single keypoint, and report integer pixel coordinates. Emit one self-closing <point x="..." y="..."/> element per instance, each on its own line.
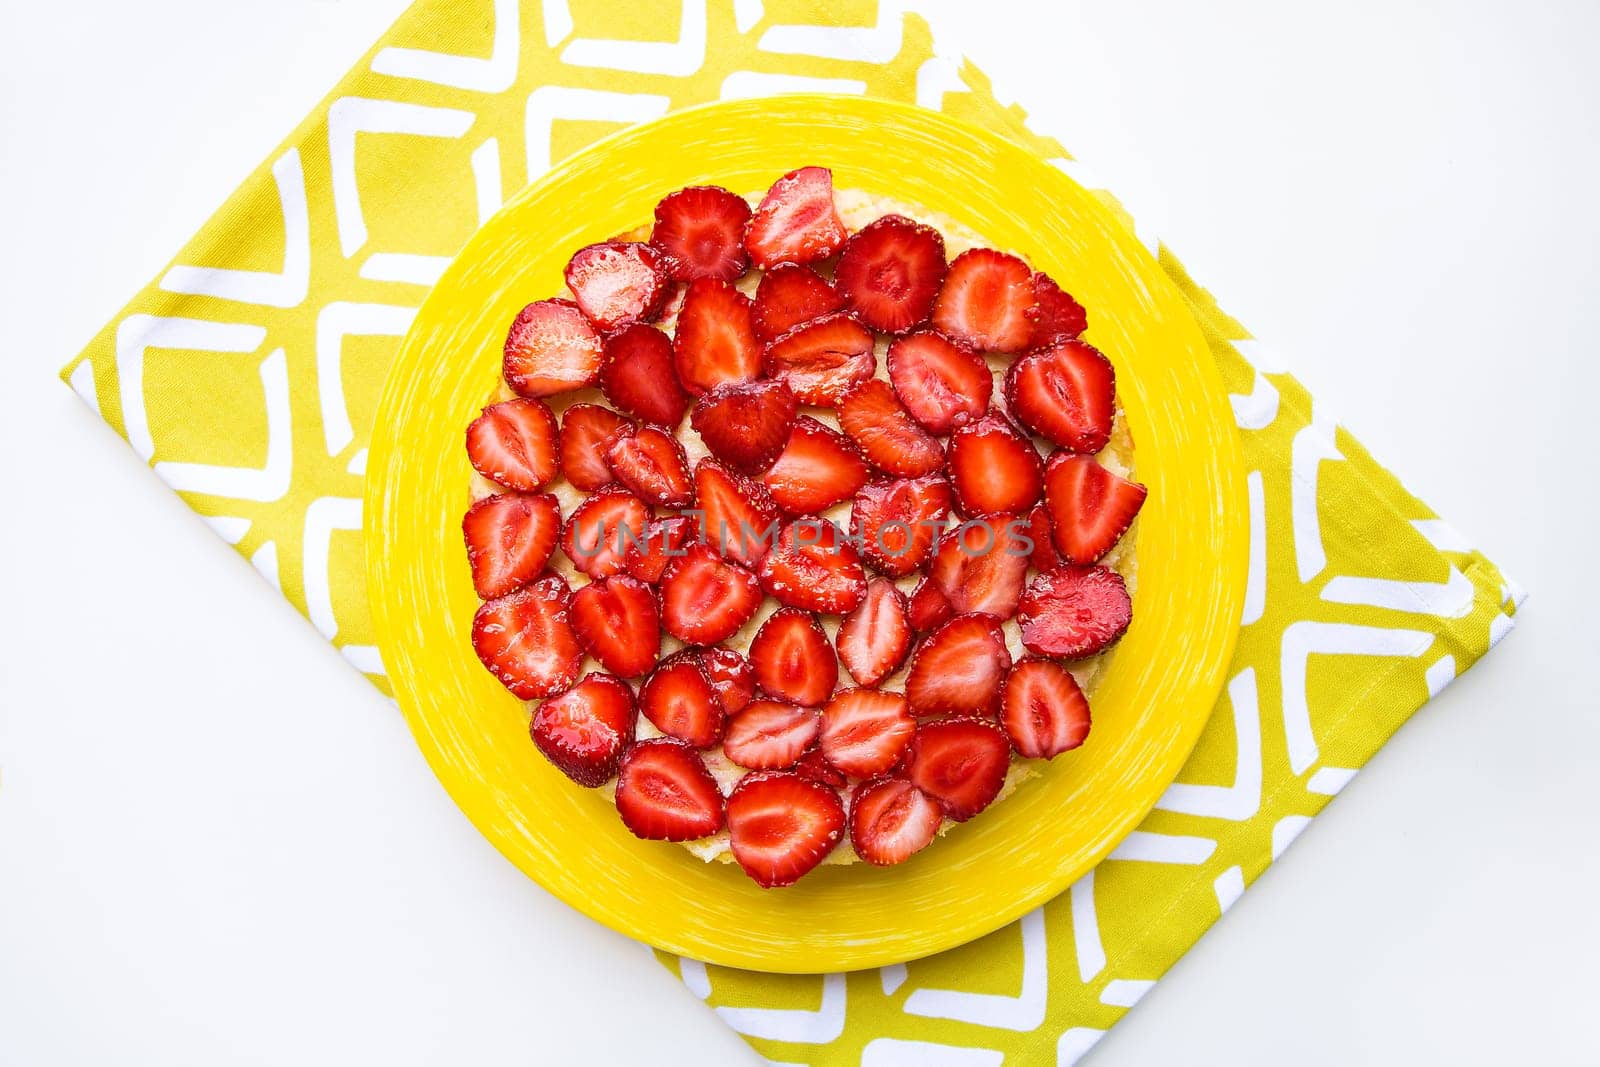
<point x="985" y="301"/>
<point x="705" y="600"/>
<point x="980" y="566"/>
<point x="796" y="221"/>
<point x="895" y="522"/>
<point x="550" y="349"/>
<point x="887" y="435"/>
<point x="1074" y="612"/>
<point x="585" y="730"/>
<point x="928" y="609"/>
<point x="599" y="531"/>
<point x="585" y="430"/>
<point x="943" y="384"/>
<point x="892" y="820"/>
<point x="665" y="793"/>
<point x="817" y="468"/>
<point x="782" y="825"/>
<point x="994" y="467"/>
<point x="821" y="359"/>
<point x="793" y="660"/>
<point x="746" y="424"/>
<point x="815" y="766"/>
<point x="961" y="763"/>
<point x="1055" y="315"/>
<point x="714" y="341"/>
<point x="699" y="232"/>
<point x="617" y="623"/>
<point x="514" y="443"/>
<point x="509" y="540"/>
<point x="1090" y="507"/>
<point x="664" y="540"/>
<point x="813" y="567"/>
<point x="865" y="732"/>
<point x="874" y="638"/>
<point x="1037" y="529"/>
<point x="769" y="735"/>
<point x="617" y="282"/>
<point x="638" y="376"/>
<point x="959" y="668"/>
<point x="526" y="641"/>
<point x="652" y="465"/>
<point x="1066" y="393"/>
<point x="889" y="272"/>
<point x="682" y="702"/>
<point x="790" y="294"/>
<point x="737" y="516"/>
<point x="731" y="674"/>
<point x="1043" y="710"/>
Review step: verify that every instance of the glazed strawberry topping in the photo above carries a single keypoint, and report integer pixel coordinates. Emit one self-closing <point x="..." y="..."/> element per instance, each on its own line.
<point x="513" y="443"/>
<point x="693" y="551"/>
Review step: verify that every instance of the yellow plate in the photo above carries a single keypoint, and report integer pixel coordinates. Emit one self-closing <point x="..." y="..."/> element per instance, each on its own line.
<point x="1155" y="695"/>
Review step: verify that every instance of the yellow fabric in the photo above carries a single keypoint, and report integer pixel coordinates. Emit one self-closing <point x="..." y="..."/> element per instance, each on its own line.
<point x="247" y="374"/>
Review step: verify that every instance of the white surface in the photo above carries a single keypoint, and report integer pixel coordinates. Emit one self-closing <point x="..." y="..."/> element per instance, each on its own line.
<point x="220" y="846"/>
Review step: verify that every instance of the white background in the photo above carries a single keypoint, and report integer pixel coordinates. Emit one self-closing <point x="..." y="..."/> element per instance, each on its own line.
<point x="218" y="845"/>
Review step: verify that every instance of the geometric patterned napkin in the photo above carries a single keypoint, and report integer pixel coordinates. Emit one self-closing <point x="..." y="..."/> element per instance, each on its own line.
<point x="247" y="374"/>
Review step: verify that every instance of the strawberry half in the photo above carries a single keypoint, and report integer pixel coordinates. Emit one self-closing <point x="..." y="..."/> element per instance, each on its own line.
<point x="599" y="531"/>
<point x="793" y="660"/>
<point x="865" y="732"/>
<point x="959" y="668"/>
<point x="769" y="735"/>
<point x="705" y="600"/>
<point x="892" y="820"/>
<point x="790" y="294"/>
<point x="1090" y="507"/>
<point x="889" y="272"/>
<point x="980" y="567"/>
<point x="895" y="522"/>
<point x="782" y="825"/>
<point x="874" y="638"/>
<point x="665" y="793"/>
<point x="682" y="702"/>
<point x="928" y="609"/>
<point x="737" y="516"/>
<point x="817" y="468"/>
<point x="585" y="431"/>
<point x="699" y="232"/>
<point x="1055" y="315"/>
<point x="985" y="300"/>
<point x="550" y="349"/>
<point x="942" y="384"/>
<point x="526" y="641"/>
<point x="1066" y="393"/>
<point x="887" y="435"/>
<point x="815" y="766"/>
<point x="664" y="540"/>
<point x="617" y="282"/>
<point x="585" y="730"/>
<point x="513" y="443"/>
<point x="796" y="221"/>
<point x="1074" y="612"/>
<point x="821" y="359"/>
<point x="652" y="465"/>
<point x="509" y="540"/>
<point x="714" y="341"/>
<point x="813" y="567"/>
<point x="961" y="763"/>
<point x="994" y="468"/>
<point x="617" y="623"/>
<point x="1043" y="710"/>
<point x="1037" y="529"/>
<point x="638" y="377"/>
<point x="746" y="424"/>
<point x="731" y="675"/>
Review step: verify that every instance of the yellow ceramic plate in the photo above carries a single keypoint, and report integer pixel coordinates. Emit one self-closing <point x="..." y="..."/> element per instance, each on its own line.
<point x="1155" y="695"/>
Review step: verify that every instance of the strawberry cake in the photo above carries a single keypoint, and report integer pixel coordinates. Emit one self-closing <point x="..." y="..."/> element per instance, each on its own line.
<point x="801" y="524"/>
